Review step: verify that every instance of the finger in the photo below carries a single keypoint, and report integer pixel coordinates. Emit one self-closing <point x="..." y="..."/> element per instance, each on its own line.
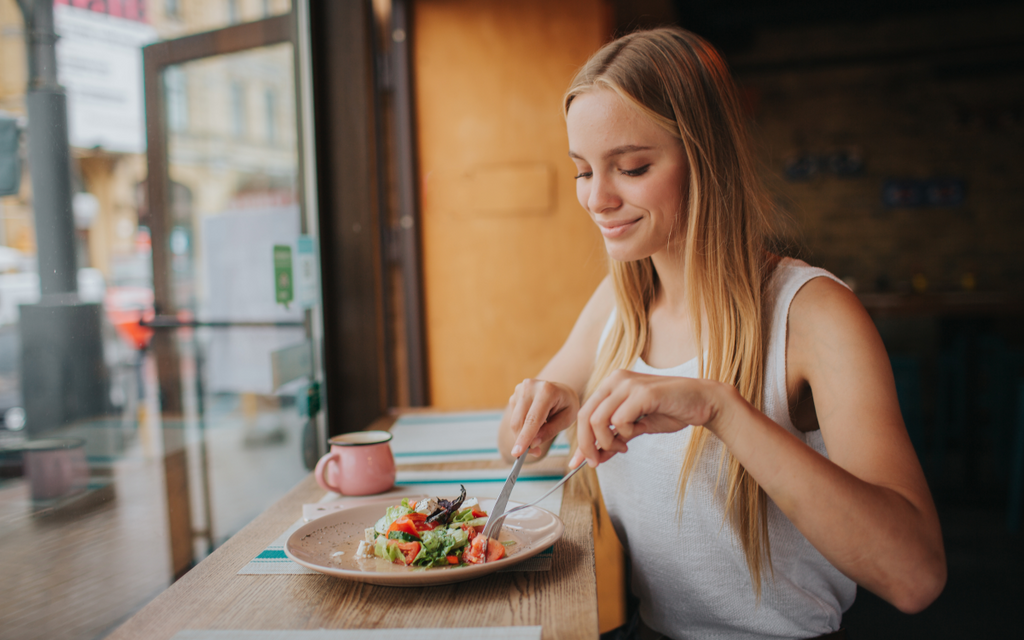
<point x="518" y="417"/>
<point x="602" y="456"/>
<point x="542" y="417"/>
<point x="628" y="414"/>
<point x="535" y="418"/>
<point x="557" y="421"/>
<point x="601" y="419"/>
<point x="519" y="408"/>
<point x="577" y="458"/>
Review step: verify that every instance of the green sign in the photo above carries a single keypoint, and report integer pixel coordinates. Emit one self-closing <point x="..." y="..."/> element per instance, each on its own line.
<point x="283" y="281"/>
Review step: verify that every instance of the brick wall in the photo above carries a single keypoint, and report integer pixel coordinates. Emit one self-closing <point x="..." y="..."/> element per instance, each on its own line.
<point x="917" y="98"/>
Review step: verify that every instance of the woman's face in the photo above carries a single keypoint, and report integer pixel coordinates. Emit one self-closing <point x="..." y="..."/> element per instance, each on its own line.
<point x="632" y="175"/>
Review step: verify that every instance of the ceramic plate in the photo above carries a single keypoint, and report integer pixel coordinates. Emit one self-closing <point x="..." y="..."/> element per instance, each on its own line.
<point x="328" y="545"/>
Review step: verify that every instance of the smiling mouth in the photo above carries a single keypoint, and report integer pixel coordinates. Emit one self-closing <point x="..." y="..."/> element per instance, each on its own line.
<point x="616" y="229"/>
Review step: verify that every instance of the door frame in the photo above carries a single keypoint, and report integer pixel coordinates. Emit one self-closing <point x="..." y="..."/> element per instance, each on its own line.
<point x="337" y="154"/>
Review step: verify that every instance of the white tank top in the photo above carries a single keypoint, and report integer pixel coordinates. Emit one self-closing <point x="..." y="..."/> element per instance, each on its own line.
<point x="688" y="568"/>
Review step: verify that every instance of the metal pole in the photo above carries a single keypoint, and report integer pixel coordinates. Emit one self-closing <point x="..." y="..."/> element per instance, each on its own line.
<point x="49" y="158"/>
<point x="63" y="374"/>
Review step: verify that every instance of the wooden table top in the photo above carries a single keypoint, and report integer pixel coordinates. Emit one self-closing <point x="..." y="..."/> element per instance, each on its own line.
<point x="563" y="601"/>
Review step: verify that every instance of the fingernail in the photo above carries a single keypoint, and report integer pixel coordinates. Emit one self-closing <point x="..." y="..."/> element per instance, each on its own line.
<point x="535" y="443"/>
<point x="517" y="451"/>
<point x="592" y="464"/>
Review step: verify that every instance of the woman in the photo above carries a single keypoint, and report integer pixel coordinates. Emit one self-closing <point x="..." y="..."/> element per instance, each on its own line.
<point x="800" y="481"/>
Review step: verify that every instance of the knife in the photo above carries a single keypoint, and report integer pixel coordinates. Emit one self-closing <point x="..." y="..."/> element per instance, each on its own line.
<point x="499" y="505"/>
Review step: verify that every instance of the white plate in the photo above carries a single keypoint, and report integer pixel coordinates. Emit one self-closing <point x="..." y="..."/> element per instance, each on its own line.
<point x="315" y="545"/>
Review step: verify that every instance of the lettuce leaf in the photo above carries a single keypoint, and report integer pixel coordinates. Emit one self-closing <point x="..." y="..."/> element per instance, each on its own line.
<point x="463" y="516"/>
<point x="438" y="544"/>
<point x="392" y="514"/>
<point x="389" y="552"/>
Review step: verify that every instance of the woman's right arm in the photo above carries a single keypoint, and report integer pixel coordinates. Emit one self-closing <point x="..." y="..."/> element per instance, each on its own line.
<point x="541" y="407"/>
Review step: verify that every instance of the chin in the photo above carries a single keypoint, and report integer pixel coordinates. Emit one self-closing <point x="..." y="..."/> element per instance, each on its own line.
<point x="623" y="252"/>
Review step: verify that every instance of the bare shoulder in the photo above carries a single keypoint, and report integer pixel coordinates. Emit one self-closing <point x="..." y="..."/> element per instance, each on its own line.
<point x="827" y="315"/>
<point x="834" y="348"/>
<point x="821" y="297"/>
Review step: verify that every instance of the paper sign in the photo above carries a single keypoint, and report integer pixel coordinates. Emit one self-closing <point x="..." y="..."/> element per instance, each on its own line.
<point x="306" y="282"/>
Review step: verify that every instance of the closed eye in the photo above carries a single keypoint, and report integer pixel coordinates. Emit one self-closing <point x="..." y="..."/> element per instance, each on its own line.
<point x="639" y="171"/>
<point x="583" y="174"/>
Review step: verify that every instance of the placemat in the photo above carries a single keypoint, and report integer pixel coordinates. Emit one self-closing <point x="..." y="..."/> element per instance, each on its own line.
<point x="483" y="483"/>
<point x="451" y="437"/>
<point x="466" y="633"/>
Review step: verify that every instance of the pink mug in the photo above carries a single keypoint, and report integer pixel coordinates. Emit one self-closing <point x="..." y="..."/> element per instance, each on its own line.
<point x="55" y="467"/>
<point x="359" y="464"/>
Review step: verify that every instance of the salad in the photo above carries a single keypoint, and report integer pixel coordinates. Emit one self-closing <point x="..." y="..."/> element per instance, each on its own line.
<point x="432" y="533"/>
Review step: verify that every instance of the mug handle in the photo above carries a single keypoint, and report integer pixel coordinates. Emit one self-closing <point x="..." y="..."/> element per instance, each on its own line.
<point x="320" y="473"/>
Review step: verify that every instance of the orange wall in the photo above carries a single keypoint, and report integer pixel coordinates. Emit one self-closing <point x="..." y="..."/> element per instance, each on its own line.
<point x="509" y="257"/>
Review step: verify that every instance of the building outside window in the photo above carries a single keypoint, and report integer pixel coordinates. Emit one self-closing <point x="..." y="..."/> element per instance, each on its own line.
<point x="270" y="115"/>
<point x="238" y="110"/>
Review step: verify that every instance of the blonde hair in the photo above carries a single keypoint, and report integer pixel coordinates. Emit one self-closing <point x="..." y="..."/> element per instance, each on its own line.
<point x="680" y="82"/>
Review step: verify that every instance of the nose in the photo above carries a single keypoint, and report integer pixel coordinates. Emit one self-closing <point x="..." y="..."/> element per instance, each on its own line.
<point x="602" y="196"/>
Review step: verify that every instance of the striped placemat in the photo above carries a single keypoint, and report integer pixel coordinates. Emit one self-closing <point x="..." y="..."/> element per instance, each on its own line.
<point x="483" y="483"/>
<point x="451" y="437"/>
<point x="465" y="633"/>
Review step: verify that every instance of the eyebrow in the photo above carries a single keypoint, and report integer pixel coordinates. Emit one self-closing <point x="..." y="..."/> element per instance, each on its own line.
<point x="617" y="151"/>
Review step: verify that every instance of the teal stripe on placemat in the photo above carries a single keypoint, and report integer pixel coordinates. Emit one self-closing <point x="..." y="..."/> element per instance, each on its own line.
<point x="473" y="417"/>
<point x="453" y="452"/>
<point x="402" y="481"/>
<point x="271" y="554"/>
<point x="463" y="452"/>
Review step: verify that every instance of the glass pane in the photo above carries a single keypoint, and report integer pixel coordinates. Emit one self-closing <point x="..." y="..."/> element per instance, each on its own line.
<point x="85" y="445"/>
<point x="233" y="165"/>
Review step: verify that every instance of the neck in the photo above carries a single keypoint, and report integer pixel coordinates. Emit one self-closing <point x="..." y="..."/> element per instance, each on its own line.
<point x="672" y="295"/>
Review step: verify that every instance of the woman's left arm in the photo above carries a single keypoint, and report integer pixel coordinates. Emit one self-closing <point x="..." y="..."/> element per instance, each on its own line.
<point x="867" y="507"/>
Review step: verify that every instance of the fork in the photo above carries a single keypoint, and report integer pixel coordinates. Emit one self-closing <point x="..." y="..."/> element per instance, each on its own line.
<point x="501" y="518"/>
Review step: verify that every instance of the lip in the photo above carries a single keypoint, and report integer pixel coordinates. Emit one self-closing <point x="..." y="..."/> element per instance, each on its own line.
<point x="616" y="228"/>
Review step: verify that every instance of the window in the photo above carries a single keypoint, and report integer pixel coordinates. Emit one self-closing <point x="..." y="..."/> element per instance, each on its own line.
<point x="270" y="111"/>
<point x="175" y="84"/>
<point x="237" y="109"/>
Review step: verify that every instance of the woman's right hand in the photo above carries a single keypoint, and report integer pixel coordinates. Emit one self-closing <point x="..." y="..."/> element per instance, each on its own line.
<point x="538" y="411"/>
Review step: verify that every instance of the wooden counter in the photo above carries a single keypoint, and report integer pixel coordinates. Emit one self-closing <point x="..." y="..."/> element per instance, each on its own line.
<point x="213" y="596"/>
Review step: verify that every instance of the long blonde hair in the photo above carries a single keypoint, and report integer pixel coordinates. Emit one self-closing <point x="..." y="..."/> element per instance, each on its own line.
<point x="679" y="81"/>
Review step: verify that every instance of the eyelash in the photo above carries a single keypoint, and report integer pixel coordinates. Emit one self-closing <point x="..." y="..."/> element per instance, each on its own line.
<point x="639" y="171"/>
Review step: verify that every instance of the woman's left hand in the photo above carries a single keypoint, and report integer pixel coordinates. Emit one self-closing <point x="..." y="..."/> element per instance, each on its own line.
<point x="628" y="404"/>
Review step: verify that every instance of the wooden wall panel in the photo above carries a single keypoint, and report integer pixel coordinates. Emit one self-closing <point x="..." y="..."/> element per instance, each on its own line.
<point x="509" y="257"/>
